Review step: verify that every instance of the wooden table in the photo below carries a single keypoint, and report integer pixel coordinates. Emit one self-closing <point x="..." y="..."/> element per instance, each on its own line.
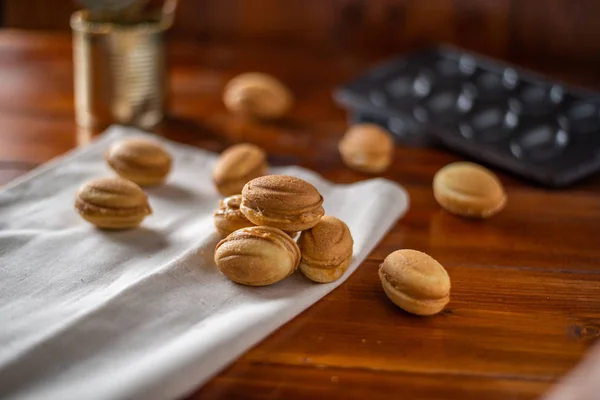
<point x="525" y="284"/>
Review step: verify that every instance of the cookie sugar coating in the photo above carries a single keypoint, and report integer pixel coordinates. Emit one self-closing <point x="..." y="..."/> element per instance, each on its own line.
<point x="469" y="190"/>
<point x="112" y="203"/>
<point x="257" y="256"/>
<point x="143" y="161"/>
<point x="281" y="201"/>
<point x="257" y="95"/>
<point x="236" y="166"/>
<point x="228" y="217"/>
<point x="367" y="148"/>
<point x="326" y="250"/>
<point x="415" y="282"/>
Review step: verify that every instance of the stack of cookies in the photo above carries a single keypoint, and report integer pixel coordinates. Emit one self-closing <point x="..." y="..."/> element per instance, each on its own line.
<point x="274" y="224"/>
<point x="259" y="226"/>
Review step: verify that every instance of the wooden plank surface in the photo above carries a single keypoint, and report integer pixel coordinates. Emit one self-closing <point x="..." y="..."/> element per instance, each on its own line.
<point x="525" y="301"/>
<point x="520" y="30"/>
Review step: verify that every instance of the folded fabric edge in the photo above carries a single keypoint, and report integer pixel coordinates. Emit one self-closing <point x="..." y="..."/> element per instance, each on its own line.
<point x="188" y="383"/>
<point x="54" y="162"/>
<point x="111" y="133"/>
<point x="398" y="209"/>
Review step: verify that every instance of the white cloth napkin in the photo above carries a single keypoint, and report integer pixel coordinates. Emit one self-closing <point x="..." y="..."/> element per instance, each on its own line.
<point x="143" y="313"/>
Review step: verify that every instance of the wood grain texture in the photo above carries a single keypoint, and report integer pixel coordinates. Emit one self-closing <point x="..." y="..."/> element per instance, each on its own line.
<point x="539" y="30"/>
<point x="525" y="304"/>
<point x="260" y="381"/>
<point x="558" y="28"/>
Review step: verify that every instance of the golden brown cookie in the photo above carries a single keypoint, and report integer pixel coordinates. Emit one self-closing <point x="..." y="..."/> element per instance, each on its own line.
<point x="284" y="202"/>
<point x="468" y="190"/>
<point x="257" y="95"/>
<point x="415" y="282"/>
<point x="228" y="217"/>
<point x="238" y="165"/>
<point x="143" y="161"/>
<point x="257" y="256"/>
<point x="326" y="250"/>
<point x="367" y="148"/>
<point x="112" y="203"/>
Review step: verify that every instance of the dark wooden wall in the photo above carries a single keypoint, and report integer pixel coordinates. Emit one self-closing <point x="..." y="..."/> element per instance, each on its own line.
<point x="519" y="30"/>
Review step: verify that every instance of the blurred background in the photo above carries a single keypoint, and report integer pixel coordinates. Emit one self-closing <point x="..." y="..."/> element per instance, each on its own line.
<point x="528" y="32"/>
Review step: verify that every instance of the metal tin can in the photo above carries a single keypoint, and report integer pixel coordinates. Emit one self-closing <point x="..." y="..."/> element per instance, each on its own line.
<point x="120" y="72"/>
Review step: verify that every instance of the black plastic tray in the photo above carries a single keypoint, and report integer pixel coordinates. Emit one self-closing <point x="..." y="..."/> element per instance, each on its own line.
<point x="499" y="114"/>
